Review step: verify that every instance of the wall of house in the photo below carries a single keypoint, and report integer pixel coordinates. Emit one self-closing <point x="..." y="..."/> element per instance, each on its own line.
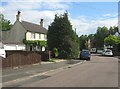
<point x="28" y="48"/>
<point x="37" y="36"/>
<point x="43" y="36"/>
<point x="1" y="45"/>
<point x="17" y="33"/>
<point x="14" y="47"/>
<point x="116" y="34"/>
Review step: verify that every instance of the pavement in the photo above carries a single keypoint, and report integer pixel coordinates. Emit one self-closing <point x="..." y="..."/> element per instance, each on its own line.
<point x="20" y="74"/>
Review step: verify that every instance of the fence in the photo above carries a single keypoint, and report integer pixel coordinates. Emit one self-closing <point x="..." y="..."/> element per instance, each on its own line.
<point x="20" y="58"/>
<point x="45" y="56"/>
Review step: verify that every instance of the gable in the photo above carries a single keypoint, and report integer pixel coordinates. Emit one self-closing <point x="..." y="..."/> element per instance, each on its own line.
<point x="16" y="34"/>
<point x="116" y="34"/>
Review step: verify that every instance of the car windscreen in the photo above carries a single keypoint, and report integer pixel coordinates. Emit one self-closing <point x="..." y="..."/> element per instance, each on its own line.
<point x="108" y="51"/>
<point x="85" y="52"/>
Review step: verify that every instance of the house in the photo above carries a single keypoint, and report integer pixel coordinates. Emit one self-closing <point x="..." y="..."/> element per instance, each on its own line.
<point x="89" y="44"/>
<point x="23" y="30"/>
<point x="114" y="32"/>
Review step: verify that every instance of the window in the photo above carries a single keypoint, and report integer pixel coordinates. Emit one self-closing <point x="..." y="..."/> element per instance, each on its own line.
<point x="33" y="35"/>
<point x="39" y="36"/>
<point x="45" y="37"/>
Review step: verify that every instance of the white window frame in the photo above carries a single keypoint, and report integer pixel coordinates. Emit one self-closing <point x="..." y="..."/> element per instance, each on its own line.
<point x="45" y="37"/>
<point x="39" y="36"/>
<point x="33" y="35"/>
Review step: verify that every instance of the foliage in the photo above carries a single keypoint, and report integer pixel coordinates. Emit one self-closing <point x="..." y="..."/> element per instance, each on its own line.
<point x="61" y="36"/>
<point x="91" y="36"/>
<point x="4" y="23"/>
<point x="100" y="35"/>
<point x="55" y="50"/>
<point x="112" y="30"/>
<point x="98" y="39"/>
<point x="51" y="60"/>
<point x="83" y="41"/>
<point x="35" y="42"/>
<point x="112" y="40"/>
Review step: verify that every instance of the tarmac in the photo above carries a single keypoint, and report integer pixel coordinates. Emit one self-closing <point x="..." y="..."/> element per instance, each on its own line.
<point x="29" y="71"/>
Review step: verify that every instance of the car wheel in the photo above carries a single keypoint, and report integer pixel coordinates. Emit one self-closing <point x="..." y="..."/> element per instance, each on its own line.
<point x="88" y="59"/>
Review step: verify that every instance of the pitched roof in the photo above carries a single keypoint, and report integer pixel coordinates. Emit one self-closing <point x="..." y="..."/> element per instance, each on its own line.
<point x="113" y="31"/>
<point x="33" y="27"/>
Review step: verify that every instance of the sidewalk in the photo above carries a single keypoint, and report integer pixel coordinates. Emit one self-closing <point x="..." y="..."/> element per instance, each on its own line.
<point x="9" y="75"/>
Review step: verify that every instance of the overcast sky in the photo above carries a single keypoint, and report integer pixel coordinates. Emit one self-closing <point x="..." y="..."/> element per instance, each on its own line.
<point x="84" y="16"/>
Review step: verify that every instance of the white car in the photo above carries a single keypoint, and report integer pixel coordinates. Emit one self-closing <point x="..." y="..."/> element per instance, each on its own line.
<point x="93" y="50"/>
<point x="2" y="53"/>
<point x="107" y="52"/>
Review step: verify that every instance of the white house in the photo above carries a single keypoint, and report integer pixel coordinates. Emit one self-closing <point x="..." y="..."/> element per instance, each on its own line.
<point x="13" y="39"/>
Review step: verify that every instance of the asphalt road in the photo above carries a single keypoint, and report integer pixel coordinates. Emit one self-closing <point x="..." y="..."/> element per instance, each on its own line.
<point x="10" y="76"/>
<point x="99" y="72"/>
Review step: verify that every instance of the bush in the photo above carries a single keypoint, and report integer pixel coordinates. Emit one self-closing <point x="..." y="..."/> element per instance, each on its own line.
<point x="55" y="51"/>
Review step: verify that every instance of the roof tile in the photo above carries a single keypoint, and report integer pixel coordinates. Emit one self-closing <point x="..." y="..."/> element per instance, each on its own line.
<point x="34" y="27"/>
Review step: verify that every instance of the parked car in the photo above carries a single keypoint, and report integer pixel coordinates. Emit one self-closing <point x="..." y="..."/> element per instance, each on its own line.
<point x="107" y="52"/>
<point x="85" y="54"/>
<point x="93" y="50"/>
<point x="2" y="53"/>
<point x="100" y="51"/>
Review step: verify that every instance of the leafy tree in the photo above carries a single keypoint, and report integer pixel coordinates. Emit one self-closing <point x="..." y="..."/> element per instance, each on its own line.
<point x="91" y="36"/>
<point x="55" y="51"/>
<point x="100" y="35"/>
<point x="82" y="41"/>
<point x="61" y="36"/>
<point x="112" y="40"/>
<point x="113" y="30"/>
<point x="4" y="23"/>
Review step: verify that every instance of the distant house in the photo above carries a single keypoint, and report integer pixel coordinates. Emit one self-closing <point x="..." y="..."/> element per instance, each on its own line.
<point x="119" y="27"/>
<point x="89" y="44"/>
<point x="114" y="32"/>
<point x="13" y="39"/>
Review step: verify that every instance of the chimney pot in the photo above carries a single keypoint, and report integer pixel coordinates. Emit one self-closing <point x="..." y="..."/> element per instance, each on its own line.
<point x="41" y="22"/>
<point x="41" y="19"/>
<point x="19" y="12"/>
<point x="18" y="16"/>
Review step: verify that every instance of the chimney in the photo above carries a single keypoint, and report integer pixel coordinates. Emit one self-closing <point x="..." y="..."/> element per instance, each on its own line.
<point x="18" y="16"/>
<point x="41" y="22"/>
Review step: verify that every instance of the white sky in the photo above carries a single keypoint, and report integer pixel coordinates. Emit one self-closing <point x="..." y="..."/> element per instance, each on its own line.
<point x="33" y="12"/>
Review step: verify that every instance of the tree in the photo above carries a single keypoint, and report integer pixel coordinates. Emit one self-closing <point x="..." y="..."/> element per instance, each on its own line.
<point x="112" y="40"/>
<point x="91" y="37"/>
<point x="100" y="35"/>
<point x="83" y="41"/>
<point x="4" y="23"/>
<point x="113" y="30"/>
<point x="61" y="36"/>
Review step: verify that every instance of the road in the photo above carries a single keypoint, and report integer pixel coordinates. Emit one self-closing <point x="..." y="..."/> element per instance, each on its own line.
<point x="99" y="72"/>
<point x="26" y="72"/>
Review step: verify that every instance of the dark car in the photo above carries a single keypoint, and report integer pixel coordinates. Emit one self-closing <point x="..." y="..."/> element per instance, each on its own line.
<point x="85" y="54"/>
